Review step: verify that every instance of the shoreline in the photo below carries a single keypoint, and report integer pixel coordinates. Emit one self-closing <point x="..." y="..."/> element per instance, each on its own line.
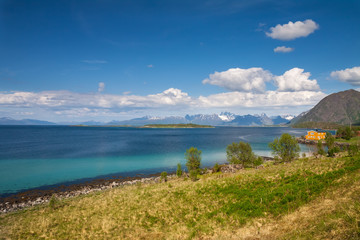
<point x="38" y="196"/>
<point x="313" y="142"/>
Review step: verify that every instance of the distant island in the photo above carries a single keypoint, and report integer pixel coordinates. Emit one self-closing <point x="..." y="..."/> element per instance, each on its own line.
<point x="182" y="125"/>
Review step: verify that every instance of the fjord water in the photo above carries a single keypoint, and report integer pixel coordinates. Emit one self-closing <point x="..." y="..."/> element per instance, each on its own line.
<point x="36" y="156"/>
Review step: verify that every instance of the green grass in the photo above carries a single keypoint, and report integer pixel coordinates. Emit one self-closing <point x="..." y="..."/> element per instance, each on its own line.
<point x="354" y="140"/>
<point x="216" y="206"/>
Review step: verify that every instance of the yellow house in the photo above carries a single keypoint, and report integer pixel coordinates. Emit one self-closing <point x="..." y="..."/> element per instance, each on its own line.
<point x="315" y="135"/>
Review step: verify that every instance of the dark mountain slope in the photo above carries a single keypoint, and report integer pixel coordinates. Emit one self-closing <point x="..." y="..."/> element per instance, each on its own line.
<point x="342" y="107"/>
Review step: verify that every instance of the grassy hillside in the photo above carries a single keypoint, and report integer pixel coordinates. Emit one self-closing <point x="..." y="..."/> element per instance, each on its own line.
<point x="307" y="199"/>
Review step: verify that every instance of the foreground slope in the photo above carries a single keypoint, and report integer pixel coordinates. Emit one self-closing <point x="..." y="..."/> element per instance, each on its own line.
<point x="308" y="199"/>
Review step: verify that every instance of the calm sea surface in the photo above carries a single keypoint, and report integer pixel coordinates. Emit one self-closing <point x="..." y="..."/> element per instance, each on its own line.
<point x="36" y="156"/>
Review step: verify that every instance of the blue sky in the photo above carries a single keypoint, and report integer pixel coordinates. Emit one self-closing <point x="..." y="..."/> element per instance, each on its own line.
<point x="105" y="60"/>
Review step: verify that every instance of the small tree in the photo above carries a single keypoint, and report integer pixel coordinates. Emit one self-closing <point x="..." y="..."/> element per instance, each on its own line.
<point x="258" y="161"/>
<point x="287" y="147"/>
<point x="329" y="140"/>
<point x="320" y="148"/>
<point x="163" y="176"/>
<point x="178" y="170"/>
<point x="240" y="153"/>
<point x="193" y="157"/>
<point x="345" y="133"/>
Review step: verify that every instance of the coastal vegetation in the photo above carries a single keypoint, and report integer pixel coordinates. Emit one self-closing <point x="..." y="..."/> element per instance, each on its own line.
<point x="163" y="176"/>
<point x="286" y="148"/>
<point x="193" y="162"/>
<point x="179" y="172"/>
<point x="308" y="198"/>
<point x="241" y="153"/>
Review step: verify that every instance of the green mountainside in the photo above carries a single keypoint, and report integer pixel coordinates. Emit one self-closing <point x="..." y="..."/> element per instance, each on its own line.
<point x="342" y="108"/>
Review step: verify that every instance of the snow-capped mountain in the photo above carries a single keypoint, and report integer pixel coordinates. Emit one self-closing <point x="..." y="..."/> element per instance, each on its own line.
<point x="222" y="119"/>
<point x="227" y="116"/>
<point x="288" y="117"/>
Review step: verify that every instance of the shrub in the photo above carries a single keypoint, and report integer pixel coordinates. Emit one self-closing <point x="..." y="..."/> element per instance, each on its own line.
<point x="332" y="151"/>
<point x="216" y="168"/>
<point x="178" y="170"/>
<point x="353" y="150"/>
<point x="329" y="140"/>
<point x="193" y="157"/>
<point x="320" y="148"/>
<point x="258" y="161"/>
<point x="54" y="202"/>
<point x="193" y="175"/>
<point x="345" y="133"/>
<point x="163" y="176"/>
<point x="240" y="153"/>
<point x="287" y="147"/>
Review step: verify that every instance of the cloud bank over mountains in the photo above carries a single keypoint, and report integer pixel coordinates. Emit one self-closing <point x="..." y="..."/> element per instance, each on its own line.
<point x="246" y="88"/>
<point x="252" y="88"/>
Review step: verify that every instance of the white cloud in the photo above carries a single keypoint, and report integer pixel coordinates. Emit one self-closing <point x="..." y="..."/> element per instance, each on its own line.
<point x="94" y="61"/>
<point x="101" y="87"/>
<point x="242" y="80"/>
<point x="296" y="80"/>
<point x="66" y="99"/>
<point x="283" y="49"/>
<point x="349" y="75"/>
<point x="266" y="99"/>
<point x="292" y="30"/>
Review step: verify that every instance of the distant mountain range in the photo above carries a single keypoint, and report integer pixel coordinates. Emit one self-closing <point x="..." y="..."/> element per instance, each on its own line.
<point x="222" y="119"/>
<point x="342" y="108"/>
<point x="11" y="121"/>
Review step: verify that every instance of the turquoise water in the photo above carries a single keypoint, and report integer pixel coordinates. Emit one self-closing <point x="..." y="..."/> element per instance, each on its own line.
<point x="32" y="157"/>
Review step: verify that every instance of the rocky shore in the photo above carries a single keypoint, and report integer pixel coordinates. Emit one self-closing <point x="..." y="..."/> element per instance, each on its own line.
<point x="312" y="142"/>
<point x="38" y="196"/>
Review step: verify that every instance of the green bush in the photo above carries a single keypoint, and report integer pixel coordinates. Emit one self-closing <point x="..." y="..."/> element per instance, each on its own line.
<point x="193" y="157"/>
<point x="216" y="168"/>
<point x="329" y="140"/>
<point x="353" y="150"/>
<point x="240" y="153"/>
<point x="178" y="170"/>
<point x="258" y="161"/>
<point x="163" y="176"/>
<point x="193" y="175"/>
<point x="54" y="202"/>
<point x="345" y="133"/>
<point x="320" y="148"/>
<point x="332" y="151"/>
<point x="286" y="148"/>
